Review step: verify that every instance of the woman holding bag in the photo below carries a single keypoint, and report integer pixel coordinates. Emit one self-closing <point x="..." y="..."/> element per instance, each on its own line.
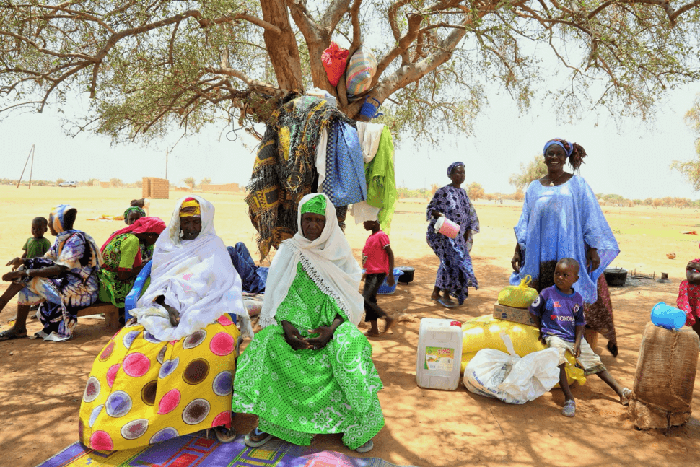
<point x="455" y="273"/>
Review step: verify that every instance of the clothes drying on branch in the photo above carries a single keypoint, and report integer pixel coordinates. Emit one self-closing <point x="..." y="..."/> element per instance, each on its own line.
<point x="381" y="183"/>
<point x="344" y="182"/>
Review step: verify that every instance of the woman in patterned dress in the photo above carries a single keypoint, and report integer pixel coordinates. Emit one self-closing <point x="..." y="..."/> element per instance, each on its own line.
<point x="561" y="218"/>
<point x="63" y="281"/>
<point x="310" y="370"/>
<point x="171" y="373"/>
<point x="455" y="272"/>
<point x="125" y="253"/>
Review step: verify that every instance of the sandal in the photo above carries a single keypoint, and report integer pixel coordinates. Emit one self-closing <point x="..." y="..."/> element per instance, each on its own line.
<point x="447" y="304"/>
<point x="626" y="396"/>
<point x="224" y="435"/>
<point x="256" y="444"/>
<point x="569" y="408"/>
<point x="367" y="447"/>
<point x="11" y="334"/>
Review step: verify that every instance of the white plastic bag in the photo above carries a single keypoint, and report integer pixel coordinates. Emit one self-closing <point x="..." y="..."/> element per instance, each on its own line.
<point x="512" y="379"/>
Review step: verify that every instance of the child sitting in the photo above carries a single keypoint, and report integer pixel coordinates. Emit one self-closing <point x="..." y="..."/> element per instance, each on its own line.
<point x="689" y="295"/>
<point x="378" y="261"/>
<point x="36" y="246"/>
<point x="558" y="313"/>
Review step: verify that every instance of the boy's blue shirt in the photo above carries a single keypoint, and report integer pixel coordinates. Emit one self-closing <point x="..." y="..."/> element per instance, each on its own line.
<point x="560" y="313"/>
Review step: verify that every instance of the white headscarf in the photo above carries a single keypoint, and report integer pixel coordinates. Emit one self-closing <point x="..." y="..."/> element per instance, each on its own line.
<point x="195" y="276"/>
<point x="329" y="262"/>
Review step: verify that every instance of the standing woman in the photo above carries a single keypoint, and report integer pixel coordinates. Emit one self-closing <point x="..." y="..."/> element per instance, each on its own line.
<point x="561" y="218"/>
<point x="455" y="273"/>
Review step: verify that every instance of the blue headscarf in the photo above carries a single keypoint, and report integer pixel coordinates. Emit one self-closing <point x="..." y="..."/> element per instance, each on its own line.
<point x="57" y="217"/>
<point x="564" y="144"/>
<point x="453" y="166"/>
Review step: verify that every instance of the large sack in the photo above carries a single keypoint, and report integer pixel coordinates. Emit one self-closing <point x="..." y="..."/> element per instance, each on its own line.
<point x="510" y="378"/>
<point x="520" y="296"/>
<point x="484" y="333"/>
<point x="665" y="377"/>
<point x="361" y="68"/>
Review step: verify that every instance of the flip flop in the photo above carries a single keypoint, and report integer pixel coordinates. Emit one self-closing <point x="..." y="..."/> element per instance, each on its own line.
<point x="367" y="447"/>
<point x="10" y="334"/>
<point x="569" y="409"/>
<point x="446" y="304"/>
<point x="256" y="444"/>
<point x="224" y="435"/>
<point x="626" y="396"/>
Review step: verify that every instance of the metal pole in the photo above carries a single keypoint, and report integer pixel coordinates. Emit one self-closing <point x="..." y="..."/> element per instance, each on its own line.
<point x="25" y="166"/>
<point x="31" y="168"/>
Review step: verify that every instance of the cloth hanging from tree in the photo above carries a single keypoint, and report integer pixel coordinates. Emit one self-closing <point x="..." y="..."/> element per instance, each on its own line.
<point x="284" y="167"/>
<point x="381" y="183"/>
<point x="344" y="182"/>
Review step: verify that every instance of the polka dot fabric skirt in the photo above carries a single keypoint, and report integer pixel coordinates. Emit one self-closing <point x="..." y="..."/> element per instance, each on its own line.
<point x="142" y="391"/>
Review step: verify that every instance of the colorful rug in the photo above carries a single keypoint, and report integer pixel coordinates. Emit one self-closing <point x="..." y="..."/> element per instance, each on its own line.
<point x="197" y="451"/>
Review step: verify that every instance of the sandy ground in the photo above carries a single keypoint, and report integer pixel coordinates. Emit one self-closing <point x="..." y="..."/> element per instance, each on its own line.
<point x="41" y="384"/>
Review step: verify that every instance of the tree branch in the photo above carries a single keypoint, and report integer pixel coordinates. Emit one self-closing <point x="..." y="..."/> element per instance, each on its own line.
<point x="334" y="13"/>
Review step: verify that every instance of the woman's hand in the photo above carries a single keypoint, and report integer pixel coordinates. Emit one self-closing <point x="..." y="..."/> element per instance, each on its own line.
<point x="437" y="214"/>
<point x="294" y="338"/>
<point x="10" y="276"/>
<point x="517" y="261"/>
<point x="172" y="312"/>
<point x="325" y="335"/>
<point x="15" y="263"/>
<point x="592" y="259"/>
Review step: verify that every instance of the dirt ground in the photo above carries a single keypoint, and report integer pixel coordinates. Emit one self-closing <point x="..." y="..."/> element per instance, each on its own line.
<point x="41" y="384"/>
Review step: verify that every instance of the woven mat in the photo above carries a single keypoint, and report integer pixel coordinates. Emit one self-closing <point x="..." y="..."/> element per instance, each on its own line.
<point x="197" y="451"/>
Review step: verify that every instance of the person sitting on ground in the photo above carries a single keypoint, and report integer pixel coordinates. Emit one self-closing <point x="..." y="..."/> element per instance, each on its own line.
<point x="253" y="276"/>
<point x="310" y="370"/>
<point x="63" y="281"/>
<point x="171" y="372"/>
<point x="132" y="214"/>
<point x="689" y="295"/>
<point x="125" y="253"/>
<point x="36" y="245"/>
<point x="558" y="313"/>
<point x="378" y="261"/>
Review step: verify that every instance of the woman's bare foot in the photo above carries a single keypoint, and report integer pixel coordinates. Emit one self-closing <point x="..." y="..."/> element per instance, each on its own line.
<point x="371" y="333"/>
<point x="435" y="296"/>
<point x="389" y="321"/>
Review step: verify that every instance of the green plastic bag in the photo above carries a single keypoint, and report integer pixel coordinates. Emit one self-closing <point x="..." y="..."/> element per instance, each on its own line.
<point x="520" y="296"/>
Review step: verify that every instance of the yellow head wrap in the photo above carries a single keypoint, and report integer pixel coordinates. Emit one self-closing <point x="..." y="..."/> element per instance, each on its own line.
<point x="190" y="208"/>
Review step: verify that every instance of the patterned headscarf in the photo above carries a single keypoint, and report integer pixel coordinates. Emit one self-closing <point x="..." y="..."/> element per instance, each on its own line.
<point x="57" y="217"/>
<point x="142" y="225"/>
<point x="316" y="205"/>
<point x="562" y="143"/>
<point x="190" y="208"/>
<point x="131" y="209"/>
<point x="453" y="166"/>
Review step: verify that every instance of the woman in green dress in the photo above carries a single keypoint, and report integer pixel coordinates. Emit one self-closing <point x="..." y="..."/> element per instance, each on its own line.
<point x="310" y="370"/>
<point x="125" y="253"/>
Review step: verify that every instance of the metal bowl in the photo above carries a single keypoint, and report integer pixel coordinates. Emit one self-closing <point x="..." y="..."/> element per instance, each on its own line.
<point x="615" y="277"/>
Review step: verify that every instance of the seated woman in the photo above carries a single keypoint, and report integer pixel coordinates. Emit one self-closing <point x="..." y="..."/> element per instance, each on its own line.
<point x="63" y="281"/>
<point x="310" y="370"/>
<point x="124" y="255"/>
<point x="133" y="213"/>
<point x="171" y="373"/>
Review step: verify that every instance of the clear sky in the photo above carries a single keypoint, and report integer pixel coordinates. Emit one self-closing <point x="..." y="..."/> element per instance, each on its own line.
<point x="630" y="158"/>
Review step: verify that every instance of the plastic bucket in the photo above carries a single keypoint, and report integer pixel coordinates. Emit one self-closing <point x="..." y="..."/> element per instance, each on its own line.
<point x="667" y="316"/>
<point x="446" y="227"/>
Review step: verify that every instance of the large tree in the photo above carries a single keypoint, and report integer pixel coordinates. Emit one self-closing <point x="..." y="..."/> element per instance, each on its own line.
<point x="691" y="169"/>
<point x="149" y="64"/>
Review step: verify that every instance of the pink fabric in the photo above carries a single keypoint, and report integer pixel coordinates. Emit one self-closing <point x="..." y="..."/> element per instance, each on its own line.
<point x="142" y="225"/>
<point x="689" y="300"/>
<point x="377" y="258"/>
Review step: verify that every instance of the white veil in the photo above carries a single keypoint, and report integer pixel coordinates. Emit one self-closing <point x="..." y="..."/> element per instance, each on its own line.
<point x="329" y="262"/>
<point x="196" y="277"/>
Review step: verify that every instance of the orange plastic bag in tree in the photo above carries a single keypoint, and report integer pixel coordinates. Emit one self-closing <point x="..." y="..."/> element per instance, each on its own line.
<point x="518" y="297"/>
<point x="334" y="59"/>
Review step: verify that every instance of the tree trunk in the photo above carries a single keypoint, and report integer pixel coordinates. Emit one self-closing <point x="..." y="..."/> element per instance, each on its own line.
<point x="282" y="48"/>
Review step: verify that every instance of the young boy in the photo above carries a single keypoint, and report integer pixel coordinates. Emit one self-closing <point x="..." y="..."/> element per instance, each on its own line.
<point x="36" y="245"/>
<point x="558" y="313"/>
<point x="378" y="261"/>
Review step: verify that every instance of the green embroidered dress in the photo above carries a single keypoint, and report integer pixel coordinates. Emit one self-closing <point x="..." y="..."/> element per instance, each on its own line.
<point x="123" y="253"/>
<point x="297" y="394"/>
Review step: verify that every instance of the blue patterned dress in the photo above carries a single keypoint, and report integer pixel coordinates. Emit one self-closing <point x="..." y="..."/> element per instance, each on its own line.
<point x="558" y="222"/>
<point x="455" y="273"/>
<point x="61" y="298"/>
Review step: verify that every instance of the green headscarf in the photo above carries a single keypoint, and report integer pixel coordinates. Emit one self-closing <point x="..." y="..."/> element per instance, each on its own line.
<point x="131" y="209"/>
<point x="316" y="205"/>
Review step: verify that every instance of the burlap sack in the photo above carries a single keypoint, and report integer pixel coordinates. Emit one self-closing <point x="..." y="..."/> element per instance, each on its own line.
<point x="665" y="378"/>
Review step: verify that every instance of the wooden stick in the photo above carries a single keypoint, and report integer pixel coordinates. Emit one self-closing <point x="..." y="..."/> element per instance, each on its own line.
<point x="25" y="166"/>
<point x="31" y="168"/>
